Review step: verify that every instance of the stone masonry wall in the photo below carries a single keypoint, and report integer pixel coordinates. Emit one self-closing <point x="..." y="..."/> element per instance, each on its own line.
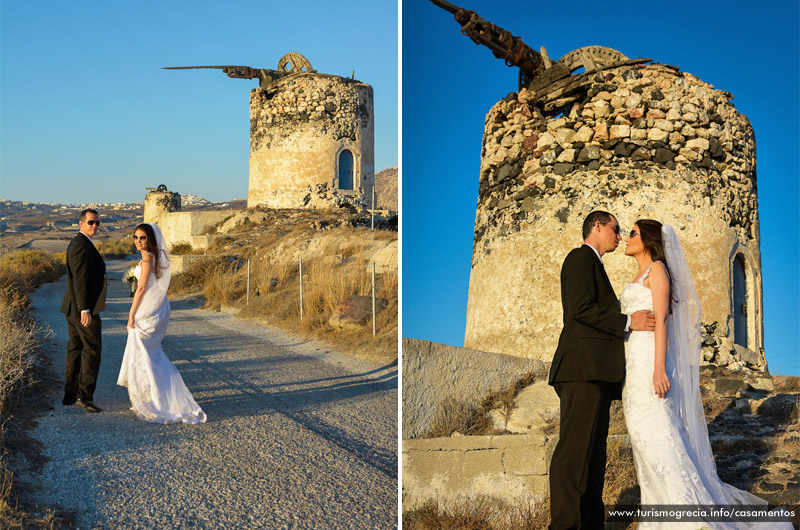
<point x="298" y="130"/>
<point x="645" y="142"/>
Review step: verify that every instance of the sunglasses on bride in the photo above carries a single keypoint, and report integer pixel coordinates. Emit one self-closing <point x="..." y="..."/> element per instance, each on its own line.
<point x="633" y="234"/>
<point x="140" y="238"/>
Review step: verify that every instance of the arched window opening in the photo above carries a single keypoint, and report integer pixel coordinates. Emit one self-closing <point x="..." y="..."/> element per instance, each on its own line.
<point x="346" y="170"/>
<point x="740" y="309"/>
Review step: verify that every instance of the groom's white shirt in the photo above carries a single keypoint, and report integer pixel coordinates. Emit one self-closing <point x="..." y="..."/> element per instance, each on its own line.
<point x="628" y="324"/>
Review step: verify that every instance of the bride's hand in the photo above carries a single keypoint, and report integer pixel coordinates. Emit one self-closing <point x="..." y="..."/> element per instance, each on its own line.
<point x="130" y="322"/>
<point x="660" y="383"/>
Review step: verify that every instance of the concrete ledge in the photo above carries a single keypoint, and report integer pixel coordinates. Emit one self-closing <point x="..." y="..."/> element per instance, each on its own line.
<point x="434" y="373"/>
<point x="512" y="468"/>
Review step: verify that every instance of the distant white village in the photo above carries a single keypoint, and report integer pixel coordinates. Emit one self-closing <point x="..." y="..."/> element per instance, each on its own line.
<point x="27" y="216"/>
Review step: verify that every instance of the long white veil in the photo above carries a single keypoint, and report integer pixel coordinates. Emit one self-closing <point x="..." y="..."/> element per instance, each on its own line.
<point x="683" y="346"/>
<point x="156" y="290"/>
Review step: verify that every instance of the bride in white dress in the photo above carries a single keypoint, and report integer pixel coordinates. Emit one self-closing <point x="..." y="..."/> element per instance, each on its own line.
<point x="155" y="387"/>
<point x="661" y="395"/>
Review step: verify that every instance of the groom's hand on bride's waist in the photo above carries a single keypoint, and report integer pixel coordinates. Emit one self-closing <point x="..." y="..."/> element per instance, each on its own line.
<point x="643" y="320"/>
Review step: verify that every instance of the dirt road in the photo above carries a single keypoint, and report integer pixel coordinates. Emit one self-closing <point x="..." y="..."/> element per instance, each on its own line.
<point x="297" y="436"/>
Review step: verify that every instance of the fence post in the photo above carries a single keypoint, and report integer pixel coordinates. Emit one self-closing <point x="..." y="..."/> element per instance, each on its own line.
<point x="373" y="204"/>
<point x="373" y="299"/>
<point x="248" y="281"/>
<point x="301" y="288"/>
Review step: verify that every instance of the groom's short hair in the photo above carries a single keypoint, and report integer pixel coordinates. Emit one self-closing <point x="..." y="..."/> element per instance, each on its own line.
<point x="87" y="210"/>
<point x="592" y="218"/>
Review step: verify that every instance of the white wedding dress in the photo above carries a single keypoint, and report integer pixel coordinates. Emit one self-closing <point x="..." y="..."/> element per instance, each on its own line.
<point x="156" y="389"/>
<point x="671" y="450"/>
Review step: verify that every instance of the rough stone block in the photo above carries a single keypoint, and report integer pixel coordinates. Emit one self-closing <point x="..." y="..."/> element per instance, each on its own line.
<point x="657" y="135"/>
<point x="601" y="131"/>
<point x="584" y="134"/>
<point x="590" y="152"/>
<point x="562" y="168"/>
<point x="620" y="131"/>
<point x="545" y="140"/>
<point x="564" y="136"/>
<point x="690" y="155"/>
<point x="698" y="144"/>
<point x="664" y="125"/>
<point x="568" y="155"/>
<point x="637" y="112"/>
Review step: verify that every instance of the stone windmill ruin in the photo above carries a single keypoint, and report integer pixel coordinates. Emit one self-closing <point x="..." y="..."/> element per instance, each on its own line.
<point x="311" y="136"/>
<point x="636" y="138"/>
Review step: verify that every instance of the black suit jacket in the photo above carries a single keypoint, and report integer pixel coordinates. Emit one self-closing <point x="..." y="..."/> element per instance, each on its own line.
<point x="86" y="278"/>
<point x="591" y="344"/>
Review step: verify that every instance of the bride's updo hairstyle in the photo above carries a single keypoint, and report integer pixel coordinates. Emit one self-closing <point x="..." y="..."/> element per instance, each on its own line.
<point x="151" y="245"/>
<point x="653" y="243"/>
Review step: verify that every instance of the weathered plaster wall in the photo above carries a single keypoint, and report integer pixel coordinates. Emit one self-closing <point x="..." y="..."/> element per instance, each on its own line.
<point x="645" y="142"/>
<point x="188" y="227"/>
<point x="434" y="373"/>
<point x="513" y="468"/>
<point x="157" y="203"/>
<point x="296" y="136"/>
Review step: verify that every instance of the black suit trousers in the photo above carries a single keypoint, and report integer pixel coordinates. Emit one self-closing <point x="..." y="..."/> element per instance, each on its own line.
<point x="83" y="357"/>
<point x="577" y="470"/>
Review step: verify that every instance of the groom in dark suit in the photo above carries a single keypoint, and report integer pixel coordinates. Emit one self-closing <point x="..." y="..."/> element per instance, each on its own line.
<point x="83" y="301"/>
<point x="587" y="373"/>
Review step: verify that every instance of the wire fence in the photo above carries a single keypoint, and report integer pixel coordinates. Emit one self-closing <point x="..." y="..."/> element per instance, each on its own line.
<point x="319" y="281"/>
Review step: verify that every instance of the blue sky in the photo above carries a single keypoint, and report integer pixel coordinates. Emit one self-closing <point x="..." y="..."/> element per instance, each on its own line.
<point x="87" y="115"/>
<point x="449" y="84"/>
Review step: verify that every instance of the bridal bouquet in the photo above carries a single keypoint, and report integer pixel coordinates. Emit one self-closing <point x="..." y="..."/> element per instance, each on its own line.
<point x="130" y="278"/>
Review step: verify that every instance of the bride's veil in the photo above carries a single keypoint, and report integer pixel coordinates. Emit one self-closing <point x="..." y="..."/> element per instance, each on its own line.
<point x="155" y="294"/>
<point x="164" y="269"/>
<point x="683" y="346"/>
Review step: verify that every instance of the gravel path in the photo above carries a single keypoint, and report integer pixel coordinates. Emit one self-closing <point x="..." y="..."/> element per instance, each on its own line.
<point x="297" y="436"/>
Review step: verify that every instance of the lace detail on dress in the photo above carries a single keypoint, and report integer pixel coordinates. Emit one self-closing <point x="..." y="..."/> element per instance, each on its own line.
<point x="155" y="387"/>
<point x="667" y="473"/>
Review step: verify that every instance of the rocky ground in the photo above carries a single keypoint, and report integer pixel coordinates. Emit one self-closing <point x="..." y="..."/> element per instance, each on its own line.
<point x="755" y="431"/>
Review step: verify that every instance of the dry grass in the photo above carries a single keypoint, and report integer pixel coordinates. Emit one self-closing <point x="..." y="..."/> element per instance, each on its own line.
<point x="338" y="268"/>
<point x="478" y="513"/>
<point x="117" y="248"/>
<point x="20" y="338"/>
<point x="454" y="415"/>
<point x="181" y="248"/>
<point x="787" y="383"/>
<point x="19" y="347"/>
<point x="23" y="270"/>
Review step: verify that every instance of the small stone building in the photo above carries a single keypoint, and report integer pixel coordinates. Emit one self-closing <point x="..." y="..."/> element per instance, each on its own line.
<point x="645" y="141"/>
<point x="311" y="143"/>
<point x="163" y="207"/>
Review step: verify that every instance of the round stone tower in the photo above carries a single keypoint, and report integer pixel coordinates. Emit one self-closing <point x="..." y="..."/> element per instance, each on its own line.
<point x="160" y="201"/>
<point x="644" y="141"/>
<point x="311" y="143"/>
